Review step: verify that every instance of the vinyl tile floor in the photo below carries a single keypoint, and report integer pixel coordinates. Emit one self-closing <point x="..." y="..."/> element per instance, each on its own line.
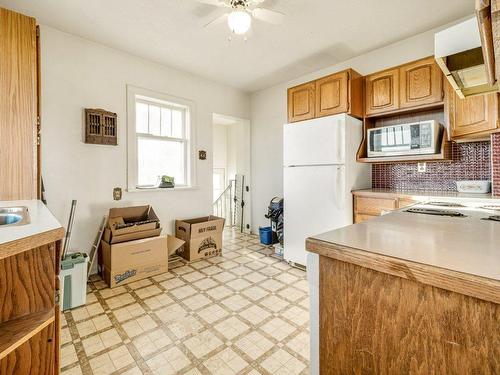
<point x="245" y="312"/>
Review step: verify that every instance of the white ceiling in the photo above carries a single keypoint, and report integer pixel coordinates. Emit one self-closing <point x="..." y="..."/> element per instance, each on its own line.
<point x="315" y="34"/>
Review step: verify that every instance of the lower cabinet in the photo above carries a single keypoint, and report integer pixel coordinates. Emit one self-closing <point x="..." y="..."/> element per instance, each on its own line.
<point x="29" y="315"/>
<point x="368" y="205"/>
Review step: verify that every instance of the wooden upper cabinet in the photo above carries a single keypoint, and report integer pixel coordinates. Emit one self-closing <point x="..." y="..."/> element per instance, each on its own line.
<point x="421" y="83"/>
<point x="332" y="95"/>
<point x="301" y="102"/>
<point x="18" y="106"/>
<point x="413" y="85"/>
<point x="382" y="92"/>
<point x="474" y="116"/>
<point x="341" y="92"/>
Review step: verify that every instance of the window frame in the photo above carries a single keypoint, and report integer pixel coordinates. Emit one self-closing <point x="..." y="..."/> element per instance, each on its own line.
<point x="136" y="94"/>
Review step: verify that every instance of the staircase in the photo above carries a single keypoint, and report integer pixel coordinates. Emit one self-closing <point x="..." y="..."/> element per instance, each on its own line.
<point x="224" y="205"/>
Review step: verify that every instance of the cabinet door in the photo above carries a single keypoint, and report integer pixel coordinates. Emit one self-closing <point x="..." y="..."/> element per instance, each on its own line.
<point x="421" y="83"/>
<point x="18" y="106"/>
<point x="301" y="102"/>
<point x="382" y="92"/>
<point x="332" y="94"/>
<point x="374" y="206"/>
<point x="473" y="115"/>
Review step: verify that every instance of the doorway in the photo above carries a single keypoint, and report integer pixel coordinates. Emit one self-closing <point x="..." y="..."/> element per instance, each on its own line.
<point x="231" y="170"/>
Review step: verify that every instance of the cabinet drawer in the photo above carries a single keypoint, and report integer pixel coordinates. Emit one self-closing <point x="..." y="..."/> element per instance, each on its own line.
<point x="359" y="218"/>
<point x="373" y="206"/>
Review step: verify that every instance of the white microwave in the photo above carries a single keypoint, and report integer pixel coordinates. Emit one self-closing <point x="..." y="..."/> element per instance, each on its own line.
<point x="417" y="138"/>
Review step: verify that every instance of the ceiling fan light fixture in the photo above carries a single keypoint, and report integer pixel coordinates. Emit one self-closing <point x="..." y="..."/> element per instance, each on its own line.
<point x="239" y="21"/>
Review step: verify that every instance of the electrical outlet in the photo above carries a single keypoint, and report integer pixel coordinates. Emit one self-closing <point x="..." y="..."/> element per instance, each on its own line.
<point x="422" y="167"/>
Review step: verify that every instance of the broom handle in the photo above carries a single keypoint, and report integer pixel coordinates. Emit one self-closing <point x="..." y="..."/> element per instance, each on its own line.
<point x="70" y="227"/>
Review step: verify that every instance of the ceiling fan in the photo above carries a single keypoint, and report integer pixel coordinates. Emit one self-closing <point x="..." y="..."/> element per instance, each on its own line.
<point x="241" y="12"/>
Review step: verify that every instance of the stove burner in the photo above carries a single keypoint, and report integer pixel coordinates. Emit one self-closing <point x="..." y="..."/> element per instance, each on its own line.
<point x="445" y="204"/>
<point x="493" y="218"/>
<point x="430" y="211"/>
<point x="492" y="207"/>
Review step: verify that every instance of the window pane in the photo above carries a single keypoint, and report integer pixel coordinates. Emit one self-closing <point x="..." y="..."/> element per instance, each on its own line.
<point x="166" y="122"/>
<point x="141" y="117"/>
<point x="177" y="126"/>
<point x="160" y="157"/>
<point x="154" y="120"/>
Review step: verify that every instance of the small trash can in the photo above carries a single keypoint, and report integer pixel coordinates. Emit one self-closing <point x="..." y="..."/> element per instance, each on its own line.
<point x="73" y="280"/>
<point x="266" y="235"/>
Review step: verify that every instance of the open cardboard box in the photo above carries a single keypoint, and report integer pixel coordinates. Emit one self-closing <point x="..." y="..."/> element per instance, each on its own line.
<point x="203" y="237"/>
<point x="126" y="262"/>
<point x="131" y="215"/>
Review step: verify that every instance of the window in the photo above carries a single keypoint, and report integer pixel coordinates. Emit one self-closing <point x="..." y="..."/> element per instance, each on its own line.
<point x="159" y="139"/>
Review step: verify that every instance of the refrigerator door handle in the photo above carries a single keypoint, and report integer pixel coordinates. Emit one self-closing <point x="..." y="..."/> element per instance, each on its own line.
<point x="340" y="140"/>
<point x="339" y="189"/>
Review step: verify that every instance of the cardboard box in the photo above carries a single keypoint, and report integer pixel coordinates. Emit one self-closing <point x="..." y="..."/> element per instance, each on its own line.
<point x="138" y="217"/>
<point x="126" y="262"/>
<point x="203" y="237"/>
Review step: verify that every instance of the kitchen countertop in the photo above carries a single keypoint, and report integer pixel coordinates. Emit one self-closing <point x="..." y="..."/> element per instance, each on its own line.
<point x="433" y="249"/>
<point x="42" y="223"/>
<point x="427" y="194"/>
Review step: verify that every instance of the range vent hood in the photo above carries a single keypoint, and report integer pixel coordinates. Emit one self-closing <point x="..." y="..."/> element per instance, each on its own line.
<point x="461" y="56"/>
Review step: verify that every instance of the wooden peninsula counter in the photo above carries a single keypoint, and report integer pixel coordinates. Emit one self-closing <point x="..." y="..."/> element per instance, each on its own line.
<point x="409" y="294"/>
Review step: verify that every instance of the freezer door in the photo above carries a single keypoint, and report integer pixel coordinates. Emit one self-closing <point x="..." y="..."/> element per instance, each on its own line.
<point x="314" y="203"/>
<point x="315" y="142"/>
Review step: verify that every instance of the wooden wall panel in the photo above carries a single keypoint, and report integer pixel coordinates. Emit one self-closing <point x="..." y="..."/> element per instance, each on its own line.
<point x="18" y="106"/>
<point x="27" y="282"/>
<point x="375" y="323"/>
<point x="35" y="357"/>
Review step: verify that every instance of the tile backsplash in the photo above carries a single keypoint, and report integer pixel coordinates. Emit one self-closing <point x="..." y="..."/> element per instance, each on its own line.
<point x="471" y="161"/>
<point x="495" y="163"/>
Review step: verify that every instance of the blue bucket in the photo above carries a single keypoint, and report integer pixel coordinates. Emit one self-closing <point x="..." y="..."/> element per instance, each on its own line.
<point x="266" y="235"/>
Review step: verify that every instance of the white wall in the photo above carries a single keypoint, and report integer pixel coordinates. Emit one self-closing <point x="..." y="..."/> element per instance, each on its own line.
<point x="269" y="113"/>
<point x="220" y="157"/>
<point x="78" y="74"/>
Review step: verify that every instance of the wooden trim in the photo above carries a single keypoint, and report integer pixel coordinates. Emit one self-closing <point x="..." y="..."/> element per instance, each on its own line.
<point x="483" y="15"/>
<point x="11" y="248"/>
<point x="474" y="286"/>
<point x="39" y="114"/>
<point x="390" y="194"/>
<point x="356" y="88"/>
<point x="16" y="332"/>
<point x="444" y="155"/>
<point x="401" y="111"/>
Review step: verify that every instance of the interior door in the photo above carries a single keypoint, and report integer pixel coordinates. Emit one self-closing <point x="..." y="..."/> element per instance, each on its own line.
<point x="314" y="203"/>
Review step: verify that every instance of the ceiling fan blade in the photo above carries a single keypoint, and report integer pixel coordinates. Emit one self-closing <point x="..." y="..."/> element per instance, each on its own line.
<point x="217" y="21"/>
<point x="215" y="3"/>
<point x="268" y="15"/>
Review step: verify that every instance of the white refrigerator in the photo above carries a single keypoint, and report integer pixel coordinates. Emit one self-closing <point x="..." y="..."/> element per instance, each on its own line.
<point x="320" y="170"/>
